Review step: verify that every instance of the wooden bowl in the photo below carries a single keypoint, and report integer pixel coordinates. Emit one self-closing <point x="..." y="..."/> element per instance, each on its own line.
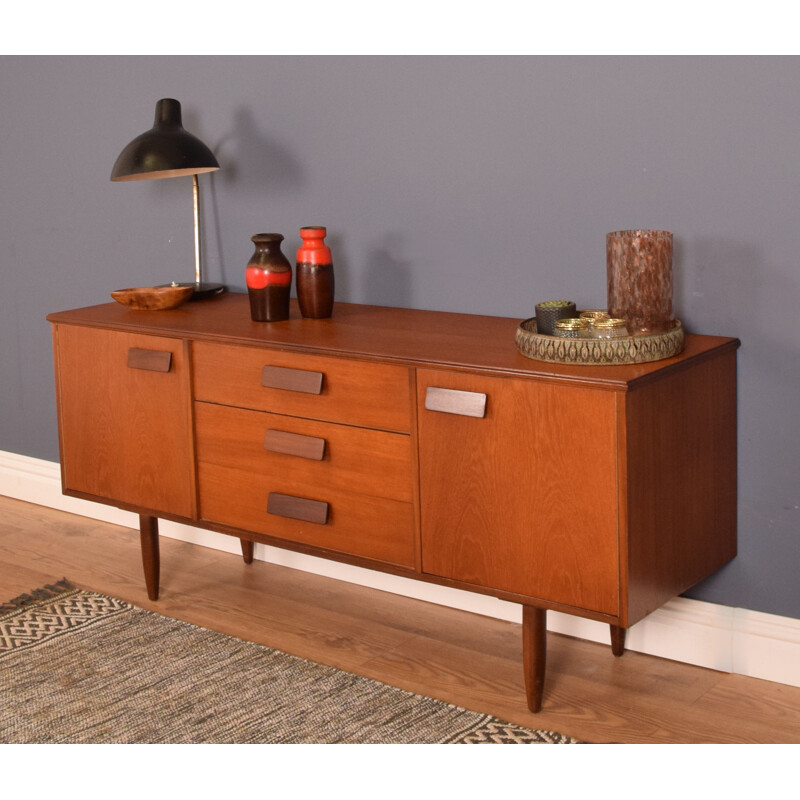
<point x="153" y="298"/>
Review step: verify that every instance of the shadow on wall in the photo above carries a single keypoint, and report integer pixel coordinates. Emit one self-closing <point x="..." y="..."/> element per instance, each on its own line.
<point x="271" y="168"/>
<point x="387" y="274"/>
<point x="341" y="268"/>
<point x="730" y="289"/>
<point x="721" y="285"/>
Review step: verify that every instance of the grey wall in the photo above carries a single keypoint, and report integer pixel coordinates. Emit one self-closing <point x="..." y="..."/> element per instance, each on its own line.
<point x="459" y="183"/>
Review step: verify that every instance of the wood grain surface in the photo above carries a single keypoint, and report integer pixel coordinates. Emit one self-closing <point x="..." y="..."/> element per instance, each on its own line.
<point x="118" y="422"/>
<point x="349" y="391"/>
<point x="549" y="487"/>
<point x="409" y="336"/>
<point x="524" y="499"/>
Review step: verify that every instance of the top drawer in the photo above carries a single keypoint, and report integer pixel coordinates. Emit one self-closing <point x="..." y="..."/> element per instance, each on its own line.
<point x="316" y="387"/>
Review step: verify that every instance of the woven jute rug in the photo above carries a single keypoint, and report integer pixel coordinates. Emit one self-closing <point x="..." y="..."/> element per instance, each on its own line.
<point x="81" y="667"/>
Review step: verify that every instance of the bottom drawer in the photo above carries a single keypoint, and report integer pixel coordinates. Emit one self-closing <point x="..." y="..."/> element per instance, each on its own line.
<point x="345" y="522"/>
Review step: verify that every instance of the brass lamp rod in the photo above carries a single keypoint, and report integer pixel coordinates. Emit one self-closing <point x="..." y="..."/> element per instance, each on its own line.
<point x="196" y="204"/>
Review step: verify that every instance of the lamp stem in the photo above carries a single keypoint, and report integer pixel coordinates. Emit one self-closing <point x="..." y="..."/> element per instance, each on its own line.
<point x="196" y="204"/>
<point x="201" y="290"/>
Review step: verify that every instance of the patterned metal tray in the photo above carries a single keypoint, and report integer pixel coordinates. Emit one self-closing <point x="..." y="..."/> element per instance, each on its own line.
<point x="625" y="350"/>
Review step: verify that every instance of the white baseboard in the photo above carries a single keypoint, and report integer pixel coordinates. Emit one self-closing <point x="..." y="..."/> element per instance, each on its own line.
<point x="736" y="640"/>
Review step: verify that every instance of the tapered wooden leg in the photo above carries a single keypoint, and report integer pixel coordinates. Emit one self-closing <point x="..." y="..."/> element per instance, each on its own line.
<point x="617" y="639"/>
<point x="148" y="531"/>
<point x="247" y="550"/>
<point x="534" y="654"/>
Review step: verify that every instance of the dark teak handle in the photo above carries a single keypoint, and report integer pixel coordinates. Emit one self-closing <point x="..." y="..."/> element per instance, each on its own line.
<point x="286" y="505"/>
<point x="152" y="360"/>
<point x="294" y="444"/>
<point x="293" y="380"/>
<point x="452" y="401"/>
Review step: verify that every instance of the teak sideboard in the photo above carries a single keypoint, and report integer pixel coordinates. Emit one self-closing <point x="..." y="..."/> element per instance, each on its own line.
<point x="413" y="442"/>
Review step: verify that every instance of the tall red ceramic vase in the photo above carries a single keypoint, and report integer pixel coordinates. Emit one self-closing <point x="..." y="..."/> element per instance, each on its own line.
<point x="314" y="274"/>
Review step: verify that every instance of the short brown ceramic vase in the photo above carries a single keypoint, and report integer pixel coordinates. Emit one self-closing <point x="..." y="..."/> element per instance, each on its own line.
<point x="269" y="279"/>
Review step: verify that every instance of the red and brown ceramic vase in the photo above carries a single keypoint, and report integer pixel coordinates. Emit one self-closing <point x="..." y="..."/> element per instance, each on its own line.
<point x="269" y="279"/>
<point x="314" y="274"/>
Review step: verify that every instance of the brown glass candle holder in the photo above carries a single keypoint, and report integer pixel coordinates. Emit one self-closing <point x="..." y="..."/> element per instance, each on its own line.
<point x="551" y="311"/>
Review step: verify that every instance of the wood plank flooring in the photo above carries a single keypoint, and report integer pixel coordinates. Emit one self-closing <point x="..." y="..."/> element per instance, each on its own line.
<point x="462" y="658"/>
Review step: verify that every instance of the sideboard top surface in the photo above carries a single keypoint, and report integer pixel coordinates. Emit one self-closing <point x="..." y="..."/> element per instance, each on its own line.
<point x="410" y="336"/>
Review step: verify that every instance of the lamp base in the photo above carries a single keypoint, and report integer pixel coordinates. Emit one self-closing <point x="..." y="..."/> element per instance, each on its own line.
<point x="202" y="291"/>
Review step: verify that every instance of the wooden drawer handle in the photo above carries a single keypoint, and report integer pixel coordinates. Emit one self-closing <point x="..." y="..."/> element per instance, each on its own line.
<point x="295" y="444"/>
<point x="286" y="505"/>
<point x="451" y="401"/>
<point x="293" y="380"/>
<point x="153" y="360"/>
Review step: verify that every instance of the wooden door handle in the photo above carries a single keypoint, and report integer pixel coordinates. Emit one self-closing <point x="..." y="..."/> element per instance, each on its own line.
<point x="287" y="505"/>
<point x="452" y="401"/>
<point x="152" y="360"/>
<point x="293" y="380"/>
<point x="294" y="444"/>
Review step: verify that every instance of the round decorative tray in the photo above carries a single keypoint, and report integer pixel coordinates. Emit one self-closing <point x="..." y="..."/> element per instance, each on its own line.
<point x="624" y="350"/>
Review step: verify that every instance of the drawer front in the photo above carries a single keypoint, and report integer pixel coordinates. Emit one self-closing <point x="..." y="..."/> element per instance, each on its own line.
<point x="277" y="504"/>
<point x="318" y="387"/>
<point x="320" y="455"/>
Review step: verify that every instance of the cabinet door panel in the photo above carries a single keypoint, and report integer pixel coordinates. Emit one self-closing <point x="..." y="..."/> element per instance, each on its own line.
<point x="125" y="418"/>
<point x="525" y="498"/>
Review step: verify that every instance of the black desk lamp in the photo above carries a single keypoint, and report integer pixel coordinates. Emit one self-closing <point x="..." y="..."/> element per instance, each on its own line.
<point x="169" y="151"/>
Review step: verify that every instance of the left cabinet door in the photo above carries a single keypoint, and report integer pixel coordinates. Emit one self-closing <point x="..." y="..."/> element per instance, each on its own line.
<point x="125" y="427"/>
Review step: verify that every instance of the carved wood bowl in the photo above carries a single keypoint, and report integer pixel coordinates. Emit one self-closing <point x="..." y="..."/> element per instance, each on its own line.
<point x="153" y="298"/>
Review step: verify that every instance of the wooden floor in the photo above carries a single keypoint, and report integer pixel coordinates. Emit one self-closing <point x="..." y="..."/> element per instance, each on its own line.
<point x="462" y="658"/>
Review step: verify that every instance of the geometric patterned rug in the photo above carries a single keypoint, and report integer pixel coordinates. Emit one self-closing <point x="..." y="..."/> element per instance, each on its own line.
<point x="81" y="667"/>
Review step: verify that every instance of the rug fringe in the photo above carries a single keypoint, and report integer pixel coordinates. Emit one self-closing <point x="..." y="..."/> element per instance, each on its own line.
<point x="44" y="593"/>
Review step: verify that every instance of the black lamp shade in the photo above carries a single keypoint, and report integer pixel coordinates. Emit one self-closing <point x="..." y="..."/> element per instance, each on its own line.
<point x="165" y="151"/>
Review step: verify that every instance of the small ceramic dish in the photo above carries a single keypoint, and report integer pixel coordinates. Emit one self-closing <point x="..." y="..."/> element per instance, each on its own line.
<point x="153" y="298"/>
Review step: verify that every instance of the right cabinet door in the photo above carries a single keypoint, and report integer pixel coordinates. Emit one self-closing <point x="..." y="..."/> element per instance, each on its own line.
<point x="518" y="487"/>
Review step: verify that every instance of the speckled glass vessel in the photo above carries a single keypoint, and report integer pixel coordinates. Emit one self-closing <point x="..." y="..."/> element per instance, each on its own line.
<point x="639" y="270"/>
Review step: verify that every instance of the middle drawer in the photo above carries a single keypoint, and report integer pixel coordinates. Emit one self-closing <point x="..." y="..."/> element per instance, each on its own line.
<point x="323" y="484"/>
<point x="320" y="454"/>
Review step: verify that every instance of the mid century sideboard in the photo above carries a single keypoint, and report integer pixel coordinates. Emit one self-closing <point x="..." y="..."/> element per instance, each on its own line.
<point x="413" y="442"/>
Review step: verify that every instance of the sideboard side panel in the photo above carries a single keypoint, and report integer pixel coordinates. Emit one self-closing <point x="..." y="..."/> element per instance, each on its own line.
<point x="682" y="481"/>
